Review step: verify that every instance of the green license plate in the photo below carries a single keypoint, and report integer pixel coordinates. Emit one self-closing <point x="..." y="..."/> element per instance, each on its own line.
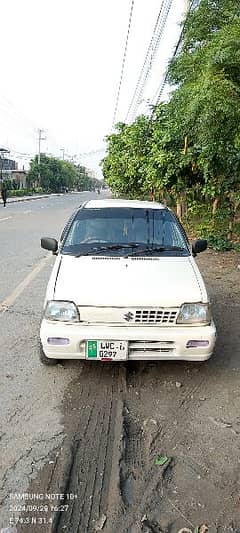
<point x="107" y="350"/>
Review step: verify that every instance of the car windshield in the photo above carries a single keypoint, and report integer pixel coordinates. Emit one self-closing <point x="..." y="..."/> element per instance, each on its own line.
<point x="120" y="231"/>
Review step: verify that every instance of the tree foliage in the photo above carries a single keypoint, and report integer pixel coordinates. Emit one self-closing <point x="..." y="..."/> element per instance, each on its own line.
<point x="190" y="147"/>
<point x="127" y="160"/>
<point x="57" y="175"/>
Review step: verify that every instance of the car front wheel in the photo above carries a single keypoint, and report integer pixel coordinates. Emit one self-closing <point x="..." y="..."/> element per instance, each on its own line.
<point x="44" y="359"/>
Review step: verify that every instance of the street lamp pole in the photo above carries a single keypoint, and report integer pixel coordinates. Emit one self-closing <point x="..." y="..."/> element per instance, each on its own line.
<point x="40" y="138"/>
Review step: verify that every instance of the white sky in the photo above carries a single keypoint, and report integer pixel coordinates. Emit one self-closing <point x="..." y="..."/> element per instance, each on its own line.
<point x="60" y="69"/>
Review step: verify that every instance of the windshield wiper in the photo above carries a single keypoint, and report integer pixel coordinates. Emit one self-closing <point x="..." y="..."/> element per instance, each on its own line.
<point x="162" y="248"/>
<point x="99" y="249"/>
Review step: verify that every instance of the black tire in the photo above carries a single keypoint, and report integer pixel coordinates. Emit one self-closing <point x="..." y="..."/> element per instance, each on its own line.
<point x="44" y="359"/>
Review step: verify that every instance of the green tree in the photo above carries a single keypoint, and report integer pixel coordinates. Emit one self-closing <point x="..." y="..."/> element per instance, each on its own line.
<point x="125" y="166"/>
<point x="190" y="147"/>
<point x="206" y="103"/>
<point x="56" y="175"/>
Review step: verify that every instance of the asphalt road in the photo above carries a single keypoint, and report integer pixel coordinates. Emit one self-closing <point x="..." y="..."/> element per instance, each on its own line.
<point x="93" y="432"/>
<point x="29" y="421"/>
<point x="22" y="224"/>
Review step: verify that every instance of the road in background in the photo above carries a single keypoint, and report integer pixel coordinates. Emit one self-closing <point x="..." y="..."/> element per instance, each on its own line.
<point x="22" y="224"/>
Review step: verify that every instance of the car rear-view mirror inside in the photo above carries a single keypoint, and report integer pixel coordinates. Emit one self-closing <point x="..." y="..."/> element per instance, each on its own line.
<point x="49" y="244"/>
<point x="199" y="246"/>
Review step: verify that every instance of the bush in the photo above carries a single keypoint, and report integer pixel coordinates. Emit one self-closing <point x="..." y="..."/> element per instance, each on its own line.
<point x="219" y="243"/>
<point x="200" y="223"/>
<point x="20" y="192"/>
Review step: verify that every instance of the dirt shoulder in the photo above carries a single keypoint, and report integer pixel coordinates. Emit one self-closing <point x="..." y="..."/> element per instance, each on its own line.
<point x="120" y="421"/>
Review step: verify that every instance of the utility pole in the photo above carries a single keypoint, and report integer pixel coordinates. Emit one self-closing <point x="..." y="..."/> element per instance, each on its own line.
<point x="63" y="152"/>
<point x="40" y="138"/>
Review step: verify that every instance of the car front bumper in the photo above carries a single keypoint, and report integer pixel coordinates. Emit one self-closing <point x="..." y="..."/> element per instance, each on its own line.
<point x="145" y="342"/>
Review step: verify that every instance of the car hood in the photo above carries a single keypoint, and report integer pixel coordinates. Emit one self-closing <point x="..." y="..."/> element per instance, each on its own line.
<point x="137" y="281"/>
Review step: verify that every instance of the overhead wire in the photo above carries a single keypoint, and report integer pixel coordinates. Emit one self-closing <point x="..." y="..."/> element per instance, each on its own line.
<point x="15" y="122"/>
<point x="158" y="94"/>
<point x="93" y="152"/>
<point x="145" y="60"/>
<point x="12" y="127"/>
<point x="123" y="62"/>
<point x="15" y="116"/>
<point x="149" y="58"/>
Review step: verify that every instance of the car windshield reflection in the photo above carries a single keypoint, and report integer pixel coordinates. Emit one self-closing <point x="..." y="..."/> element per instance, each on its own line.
<point x="124" y="231"/>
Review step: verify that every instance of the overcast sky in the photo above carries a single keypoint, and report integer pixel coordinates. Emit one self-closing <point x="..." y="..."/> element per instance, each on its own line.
<point x="60" y="69"/>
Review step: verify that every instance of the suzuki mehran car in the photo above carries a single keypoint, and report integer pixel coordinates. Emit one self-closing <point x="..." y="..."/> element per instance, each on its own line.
<point x="125" y="286"/>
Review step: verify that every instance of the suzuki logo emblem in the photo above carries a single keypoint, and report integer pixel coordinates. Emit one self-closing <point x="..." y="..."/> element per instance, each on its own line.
<point x="128" y="316"/>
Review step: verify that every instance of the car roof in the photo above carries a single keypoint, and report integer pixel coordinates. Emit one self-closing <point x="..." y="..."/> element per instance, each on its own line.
<point x="94" y="204"/>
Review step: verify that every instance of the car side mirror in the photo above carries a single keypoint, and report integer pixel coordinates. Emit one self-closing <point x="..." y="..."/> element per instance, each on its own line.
<point x="49" y="244"/>
<point x="199" y="246"/>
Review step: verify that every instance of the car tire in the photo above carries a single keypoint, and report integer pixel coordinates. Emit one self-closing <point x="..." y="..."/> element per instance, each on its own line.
<point x="44" y="359"/>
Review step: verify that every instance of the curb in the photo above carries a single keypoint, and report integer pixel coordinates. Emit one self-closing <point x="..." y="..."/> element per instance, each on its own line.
<point x="14" y="199"/>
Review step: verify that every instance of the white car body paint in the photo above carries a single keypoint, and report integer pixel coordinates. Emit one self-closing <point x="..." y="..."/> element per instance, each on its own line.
<point x="157" y="282"/>
<point x="105" y="289"/>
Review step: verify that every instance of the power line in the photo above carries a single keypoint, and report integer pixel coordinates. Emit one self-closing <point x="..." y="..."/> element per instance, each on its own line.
<point x="150" y="47"/>
<point x="7" y="103"/>
<point x="149" y="58"/>
<point x="161" y="87"/>
<point x="123" y="62"/>
<point x="93" y="152"/>
<point x="19" y="121"/>
<point x="16" y="121"/>
<point x="22" y="154"/>
<point x="157" y="97"/>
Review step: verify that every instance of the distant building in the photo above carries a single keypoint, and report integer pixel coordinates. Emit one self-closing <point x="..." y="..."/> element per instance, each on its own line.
<point x="8" y="164"/>
<point x="20" y="176"/>
<point x="9" y="169"/>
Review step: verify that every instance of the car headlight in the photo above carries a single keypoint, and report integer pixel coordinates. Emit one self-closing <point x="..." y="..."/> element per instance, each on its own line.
<point x="61" y="311"/>
<point x="194" y="314"/>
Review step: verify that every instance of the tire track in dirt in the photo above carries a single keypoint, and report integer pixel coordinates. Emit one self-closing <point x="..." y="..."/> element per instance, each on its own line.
<point x="90" y="474"/>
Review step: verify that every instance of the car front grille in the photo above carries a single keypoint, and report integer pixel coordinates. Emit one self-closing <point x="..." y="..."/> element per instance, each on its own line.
<point x="129" y="316"/>
<point x="150" y="347"/>
<point x="155" y="316"/>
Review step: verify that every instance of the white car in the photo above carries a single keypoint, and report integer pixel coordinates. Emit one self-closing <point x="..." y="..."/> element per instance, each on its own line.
<point x="125" y="286"/>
